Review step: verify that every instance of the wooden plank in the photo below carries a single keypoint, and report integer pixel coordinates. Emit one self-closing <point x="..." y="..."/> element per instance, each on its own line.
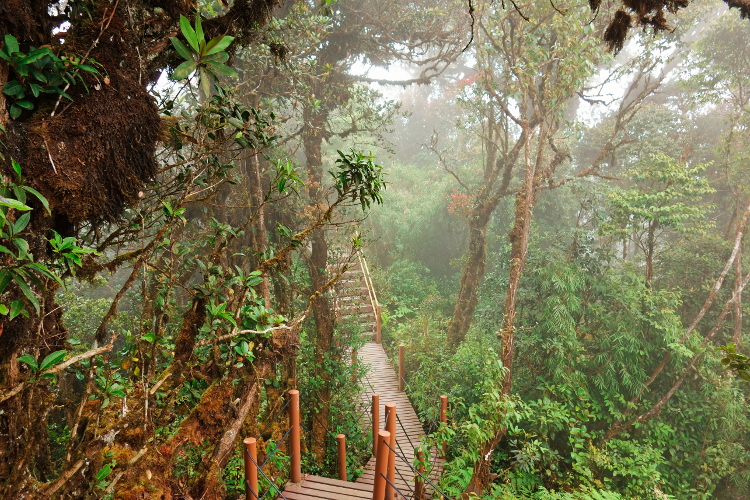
<point x="328" y="480"/>
<point x="313" y="488"/>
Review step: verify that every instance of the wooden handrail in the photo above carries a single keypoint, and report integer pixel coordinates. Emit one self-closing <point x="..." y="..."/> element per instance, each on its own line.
<point x="368" y="281"/>
<point x="373" y="296"/>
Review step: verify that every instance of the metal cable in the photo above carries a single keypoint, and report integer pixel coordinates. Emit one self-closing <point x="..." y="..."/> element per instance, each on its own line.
<point x="247" y="487"/>
<point x="272" y="483"/>
<point x="310" y="434"/>
<point x="405" y="433"/>
<point x="278" y="445"/>
<point x="417" y="471"/>
<point x="276" y="416"/>
<point x="328" y="433"/>
<point x="394" y="486"/>
<point x="274" y="480"/>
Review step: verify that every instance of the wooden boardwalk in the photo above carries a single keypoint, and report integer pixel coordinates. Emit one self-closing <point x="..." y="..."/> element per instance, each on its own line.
<point x="382" y="380"/>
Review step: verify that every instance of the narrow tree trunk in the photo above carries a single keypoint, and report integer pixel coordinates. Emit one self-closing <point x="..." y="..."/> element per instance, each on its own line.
<point x="737" y="333"/>
<point x="259" y="236"/>
<point x="519" y="239"/>
<point x="650" y="243"/>
<point x="322" y="307"/>
<point x="471" y="277"/>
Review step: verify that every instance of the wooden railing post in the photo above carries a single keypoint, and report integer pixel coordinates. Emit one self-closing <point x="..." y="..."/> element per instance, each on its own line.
<point x="251" y="470"/>
<point x="341" y="441"/>
<point x="375" y="423"/>
<point x="381" y="466"/>
<point x="444" y="419"/>
<point x="294" y="438"/>
<point x="418" y="481"/>
<point x="378" y="325"/>
<point x="401" y="349"/>
<point x="390" y="426"/>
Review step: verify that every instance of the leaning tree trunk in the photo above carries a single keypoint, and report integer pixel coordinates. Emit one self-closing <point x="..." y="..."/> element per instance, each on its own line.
<point x="519" y="240"/>
<point x="472" y="275"/>
<point x="737" y="330"/>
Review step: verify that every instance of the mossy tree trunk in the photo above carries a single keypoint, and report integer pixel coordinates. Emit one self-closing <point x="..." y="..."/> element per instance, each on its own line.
<point x="322" y="306"/>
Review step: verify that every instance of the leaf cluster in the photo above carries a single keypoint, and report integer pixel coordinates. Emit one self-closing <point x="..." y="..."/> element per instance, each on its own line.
<point x="207" y="58"/>
<point x="41" y="71"/>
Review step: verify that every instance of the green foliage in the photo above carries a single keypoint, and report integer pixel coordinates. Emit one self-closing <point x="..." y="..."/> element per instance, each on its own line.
<point x="207" y="58"/>
<point x="21" y="269"/>
<point x="667" y="194"/>
<point x="357" y="176"/>
<point x="735" y="361"/>
<point x="41" y="71"/>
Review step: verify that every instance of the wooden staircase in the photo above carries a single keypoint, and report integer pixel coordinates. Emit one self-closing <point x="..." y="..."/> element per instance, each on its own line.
<point x="357" y="304"/>
<point x="355" y="300"/>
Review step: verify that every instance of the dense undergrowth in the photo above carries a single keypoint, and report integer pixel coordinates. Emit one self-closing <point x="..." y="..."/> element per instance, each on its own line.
<point x="588" y="326"/>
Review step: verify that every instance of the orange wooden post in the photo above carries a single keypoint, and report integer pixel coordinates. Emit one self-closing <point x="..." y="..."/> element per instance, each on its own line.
<point x="401" y="349"/>
<point x="390" y="417"/>
<point x="294" y="437"/>
<point x="381" y="466"/>
<point x="444" y="419"/>
<point x="341" y="441"/>
<point x="375" y="423"/>
<point x="418" y="481"/>
<point x="378" y="325"/>
<point x="251" y="469"/>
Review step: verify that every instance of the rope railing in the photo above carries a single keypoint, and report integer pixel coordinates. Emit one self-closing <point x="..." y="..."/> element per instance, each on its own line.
<point x="395" y="487"/>
<point x="415" y="470"/>
<point x="405" y="433"/>
<point x="272" y="483"/>
<point x="275" y="417"/>
<point x="277" y="448"/>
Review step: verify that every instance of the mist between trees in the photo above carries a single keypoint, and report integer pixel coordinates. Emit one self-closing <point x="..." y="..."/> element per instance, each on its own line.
<point x="552" y="197"/>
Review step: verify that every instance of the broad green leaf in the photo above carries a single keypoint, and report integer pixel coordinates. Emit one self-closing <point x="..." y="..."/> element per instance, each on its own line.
<point x="39" y="197"/>
<point x="205" y="83"/>
<point x="149" y="337"/>
<point x="183" y="71"/>
<point x="11" y="44"/>
<point x="29" y="360"/>
<point x="52" y="359"/>
<point x="222" y="69"/>
<point x="38" y="75"/>
<point x="22" y="246"/>
<point x="188" y="32"/>
<point x="15" y="111"/>
<point x="28" y="293"/>
<point x="25" y="104"/>
<point x="218" y="44"/>
<point x="199" y="32"/>
<point x="235" y="123"/>
<point x="43" y="270"/>
<point x="35" y="55"/>
<point x="11" y="203"/>
<point x="16" y="168"/>
<point x="16" y="308"/>
<point x="218" y="57"/>
<point x="88" y="69"/>
<point x="104" y="472"/>
<point x="181" y="49"/>
<point x="5" y="279"/>
<point x="3" y="309"/>
<point x="14" y="89"/>
<point x="21" y="223"/>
